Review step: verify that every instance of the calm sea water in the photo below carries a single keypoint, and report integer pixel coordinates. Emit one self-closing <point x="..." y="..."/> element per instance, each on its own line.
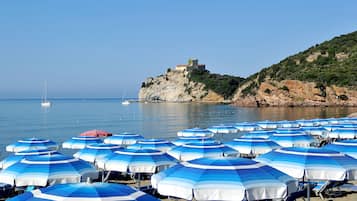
<point x="67" y="118"/>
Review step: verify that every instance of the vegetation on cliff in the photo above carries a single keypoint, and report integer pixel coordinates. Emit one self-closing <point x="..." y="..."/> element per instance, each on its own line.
<point x="332" y="62"/>
<point x="224" y="85"/>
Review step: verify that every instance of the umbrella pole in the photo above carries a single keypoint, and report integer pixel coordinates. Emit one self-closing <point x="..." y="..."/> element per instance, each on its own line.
<point x="139" y="181"/>
<point x="308" y="190"/>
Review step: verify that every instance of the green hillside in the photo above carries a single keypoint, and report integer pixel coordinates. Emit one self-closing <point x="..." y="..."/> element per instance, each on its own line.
<point x="224" y="85"/>
<point x="332" y="62"/>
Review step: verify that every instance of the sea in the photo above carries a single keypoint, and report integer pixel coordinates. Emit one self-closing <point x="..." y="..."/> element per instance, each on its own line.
<point x="24" y="118"/>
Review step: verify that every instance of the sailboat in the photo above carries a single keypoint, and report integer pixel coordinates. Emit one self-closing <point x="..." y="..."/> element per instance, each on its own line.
<point x="45" y="102"/>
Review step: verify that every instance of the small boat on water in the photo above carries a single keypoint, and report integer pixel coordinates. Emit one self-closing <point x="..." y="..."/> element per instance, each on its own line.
<point x="126" y="102"/>
<point x="45" y="103"/>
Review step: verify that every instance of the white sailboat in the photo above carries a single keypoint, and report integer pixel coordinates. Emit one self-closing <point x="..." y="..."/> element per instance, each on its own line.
<point x="45" y="102"/>
<point x="126" y="102"/>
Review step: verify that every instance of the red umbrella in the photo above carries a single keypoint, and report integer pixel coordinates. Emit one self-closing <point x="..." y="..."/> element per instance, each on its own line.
<point x="96" y="133"/>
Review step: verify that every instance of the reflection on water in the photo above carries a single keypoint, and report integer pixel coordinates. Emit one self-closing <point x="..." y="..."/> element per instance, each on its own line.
<point x="67" y="118"/>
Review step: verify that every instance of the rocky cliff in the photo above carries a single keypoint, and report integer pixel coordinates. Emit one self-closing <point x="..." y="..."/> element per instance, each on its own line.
<point x="323" y="75"/>
<point x="296" y="93"/>
<point x="175" y="86"/>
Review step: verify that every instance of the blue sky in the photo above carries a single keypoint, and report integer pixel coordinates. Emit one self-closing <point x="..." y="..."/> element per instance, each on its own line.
<point x="87" y="48"/>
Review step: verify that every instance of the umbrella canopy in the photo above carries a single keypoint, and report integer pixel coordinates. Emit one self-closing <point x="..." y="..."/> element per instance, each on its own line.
<point x="96" y="133"/>
<point x="31" y="144"/>
<point x="187" y="140"/>
<point x="136" y="161"/>
<point x="223" y="179"/>
<point x="306" y="122"/>
<point x="85" y="191"/>
<point x="348" y="147"/>
<point x="267" y="124"/>
<point x="252" y="146"/>
<point x="288" y="124"/>
<point x="331" y="127"/>
<point x="123" y="139"/>
<point x="199" y="132"/>
<point x="80" y="142"/>
<point x="223" y="129"/>
<point x="18" y="156"/>
<point x="245" y="126"/>
<point x="258" y="134"/>
<point x="343" y="133"/>
<point x="46" y="170"/>
<point x="315" y="131"/>
<point x="158" y="144"/>
<point x="94" y="151"/>
<point x="292" y="139"/>
<point x="311" y="163"/>
<point x="196" y="150"/>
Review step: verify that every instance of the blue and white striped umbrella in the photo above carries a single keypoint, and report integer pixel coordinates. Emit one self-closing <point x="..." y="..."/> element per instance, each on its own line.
<point x="288" y="124"/>
<point x="85" y="191"/>
<point x="136" y="161"/>
<point x="312" y="163"/>
<point x="225" y="129"/>
<point x="196" y="150"/>
<point x="348" y="147"/>
<point x="348" y="120"/>
<point x="94" y="151"/>
<point x="306" y="122"/>
<point x="252" y="146"/>
<point x="343" y="133"/>
<point x="18" y="156"/>
<point x="292" y="139"/>
<point x="187" y="140"/>
<point x="158" y="144"/>
<point x="258" y="134"/>
<point x="245" y="126"/>
<point x="320" y="122"/>
<point x="315" y="131"/>
<point x="123" y="139"/>
<point x="46" y="170"/>
<point x="267" y="124"/>
<point x="31" y="144"/>
<point x="80" y="142"/>
<point x="195" y="132"/>
<point x="348" y="125"/>
<point x="331" y="127"/>
<point x="224" y="179"/>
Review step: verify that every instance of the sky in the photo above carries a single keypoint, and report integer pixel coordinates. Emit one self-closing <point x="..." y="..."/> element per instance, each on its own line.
<point x="97" y="49"/>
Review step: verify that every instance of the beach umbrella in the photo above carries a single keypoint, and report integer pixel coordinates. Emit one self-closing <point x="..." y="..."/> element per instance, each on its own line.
<point x="292" y="138"/>
<point x="223" y="179"/>
<point x="192" y="151"/>
<point x="94" y="151"/>
<point x="343" y="133"/>
<point x="31" y="144"/>
<point x="348" y="147"/>
<point x="258" y="134"/>
<point x="136" y="161"/>
<point x="315" y="131"/>
<point x="46" y="170"/>
<point x="96" y="133"/>
<point x="287" y="124"/>
<point x="80" y="142"/>
<point x="225" y="129"/>
<point x="306" y="122"/>
<point x="187" y="140"/>
<point x="311" y="163"/>
<point x="347" y="120"/>
<point x="158" y="144"/>
<point x="331" y="127"/>
<point x="321" y="122"/>
<point x="18" y="156"/>
<point x="267" y="124"/>
<point x="85" y="191"/>
<point x="197" y="132"/>
<point x="252" y="147"/>
<point x="123" y="139"/>
<point x="245" y="126"/>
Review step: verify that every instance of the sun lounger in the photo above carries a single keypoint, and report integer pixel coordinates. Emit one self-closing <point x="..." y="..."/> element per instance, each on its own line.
<point x="320" y="188"/>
